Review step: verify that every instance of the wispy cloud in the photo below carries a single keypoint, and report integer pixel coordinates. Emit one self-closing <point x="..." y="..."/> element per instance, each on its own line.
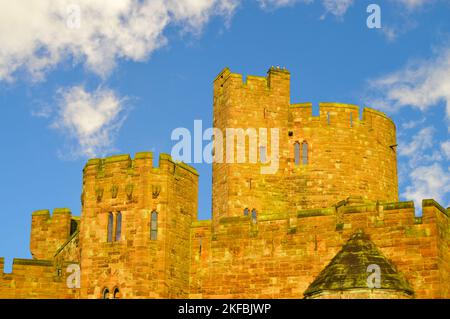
<point x="445" y="147"/>
<point x="271" y="4"/>
<point x="337" y="8"/>
<point x="90" y="119"/>
<point x="98" y="33"/>
<point x="391" y="33"/>
<point x="421" y="141"/>
<point x="413" y="4"/>
<point x="42" y="111"/>
<point x="431" y="181"/>
<point x="427" y="175"/>
<point x="412" y="124"/>
<point x="420" y="84"/>
<point x="404" y="20"/>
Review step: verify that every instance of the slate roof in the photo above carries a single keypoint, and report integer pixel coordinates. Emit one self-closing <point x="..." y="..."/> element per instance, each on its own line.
<point x="348" y="269"/>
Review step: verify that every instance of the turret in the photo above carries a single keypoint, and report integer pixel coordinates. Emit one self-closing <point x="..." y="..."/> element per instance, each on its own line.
<point x="48" y="233"/>
<point x="135" y="226"/>
<point x="322" y="159"/>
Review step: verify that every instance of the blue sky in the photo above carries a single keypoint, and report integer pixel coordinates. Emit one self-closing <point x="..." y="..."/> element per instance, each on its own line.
<point x="120" y="82"/>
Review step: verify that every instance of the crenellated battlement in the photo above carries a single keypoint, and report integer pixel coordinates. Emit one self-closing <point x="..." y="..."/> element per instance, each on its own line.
<point x="338" y="214"/>
<point x="30" y="279"/>
<point x="113" y="165"/>
<point x="19" y="264"/>
<point x="277" y="79"/>
<point x="431" y="204"/>
<point x="335" y="114"/>
<point x="44" y="214"/>
<point x="237" y="89"/>
<point x="48" y="231"/>
<point x="122" y="179"/>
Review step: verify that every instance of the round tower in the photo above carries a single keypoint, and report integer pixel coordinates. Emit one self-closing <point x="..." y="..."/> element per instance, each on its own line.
<point x="321" y="160"/>
<point x="337" y="155"/>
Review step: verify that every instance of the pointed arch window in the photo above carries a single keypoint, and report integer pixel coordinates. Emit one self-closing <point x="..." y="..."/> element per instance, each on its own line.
<point x="116" y="293"/>
<point x="154" y="225"/>
<point x="118" y="226"/>
<point x="105" y="294"/>
<point x="254" y="216"/>
<point x="305" y="154"/>
<point x="110" y="228"/>
<point x="297" y="153"/>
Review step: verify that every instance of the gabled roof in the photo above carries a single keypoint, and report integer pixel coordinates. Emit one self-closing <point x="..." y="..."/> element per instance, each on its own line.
<point x="348" y="269"/>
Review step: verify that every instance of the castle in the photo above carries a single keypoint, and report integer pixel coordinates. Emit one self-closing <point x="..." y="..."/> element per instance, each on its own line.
<point x="327" y="220"/>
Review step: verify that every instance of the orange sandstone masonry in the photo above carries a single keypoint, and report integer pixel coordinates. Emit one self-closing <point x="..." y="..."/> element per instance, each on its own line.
<point x="309" y="230"/>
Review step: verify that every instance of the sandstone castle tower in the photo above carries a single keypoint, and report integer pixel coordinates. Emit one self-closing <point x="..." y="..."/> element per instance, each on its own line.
<point x="314" y="228"/>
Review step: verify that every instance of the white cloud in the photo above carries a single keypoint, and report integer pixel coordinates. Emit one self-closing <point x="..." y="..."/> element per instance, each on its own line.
<point x="404" y="20"/>
<point x="413" y="4"/>
<point x="428" y="182"/>
<point x="412" y="124"/>
<point x="445" y="147"/>
<point x="43" y="111"/>
<point x="421" y="141"/>
<point x="36" y="35"/>
<point x="420" y="84"/>
<point x="337" y="7"/>
<point x="391" y="33"/>
<point x="424" y="172"/>
<point x="273" y="4"/>
<point x="92" y="119"/>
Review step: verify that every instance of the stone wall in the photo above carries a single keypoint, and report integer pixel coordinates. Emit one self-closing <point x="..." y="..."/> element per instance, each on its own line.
<point x="35" y="279"/>
<point x="279" y="256"/>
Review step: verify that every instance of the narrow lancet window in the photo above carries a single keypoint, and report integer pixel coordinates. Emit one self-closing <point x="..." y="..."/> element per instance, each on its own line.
<point x="110" y="227"/>
<point x="154" y="226"/>
<point x="304" y="153"/>
<point x="118" y="226"/>
<point x="297" y="153"/>
<point x="254" y="215"/>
